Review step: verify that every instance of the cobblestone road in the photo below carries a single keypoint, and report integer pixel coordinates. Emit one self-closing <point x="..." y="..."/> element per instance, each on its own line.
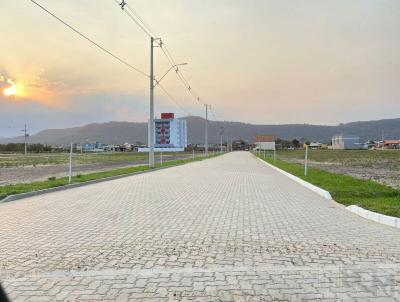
<point x="225" y="229"/>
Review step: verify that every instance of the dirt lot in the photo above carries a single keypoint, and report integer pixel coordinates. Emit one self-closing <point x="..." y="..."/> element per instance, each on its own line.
<point x="20" y="169"/>
<point x="382" y="166"/>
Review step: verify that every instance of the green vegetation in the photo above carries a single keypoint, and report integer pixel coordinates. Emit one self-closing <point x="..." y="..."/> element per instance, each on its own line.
<point x="361" y="158"/>
<point x="347" y="190"/>
<point x="20" y="148"/>
<point x="53" y="182"/>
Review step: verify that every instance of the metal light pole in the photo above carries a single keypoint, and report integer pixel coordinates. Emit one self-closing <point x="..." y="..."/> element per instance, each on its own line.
<point x="153" y="84"/>
<point x="306" y="162"/>
<point x="151" y="119"/>
<point x="70" y="164"/>
<point x="206" y="134"/>
<point x="25" y="138"/>
<point x="221" y="133"/>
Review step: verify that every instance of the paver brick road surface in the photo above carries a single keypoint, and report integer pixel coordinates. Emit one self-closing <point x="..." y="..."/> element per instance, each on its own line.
<point x="225" y="229"/>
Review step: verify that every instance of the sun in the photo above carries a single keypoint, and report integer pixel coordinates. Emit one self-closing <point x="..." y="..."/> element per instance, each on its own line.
<point x="10" y="91"/>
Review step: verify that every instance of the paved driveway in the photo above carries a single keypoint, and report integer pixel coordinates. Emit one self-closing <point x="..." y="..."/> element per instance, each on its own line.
<point x="225" y="229"/>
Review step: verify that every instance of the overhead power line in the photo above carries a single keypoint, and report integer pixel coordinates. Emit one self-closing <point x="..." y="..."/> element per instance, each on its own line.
<point x="173" y="99"/>
<point x="146" y="29"/>
<point x="102" y="48"/>
<point x="181" y="77"/>
<point x="135" y="18"/>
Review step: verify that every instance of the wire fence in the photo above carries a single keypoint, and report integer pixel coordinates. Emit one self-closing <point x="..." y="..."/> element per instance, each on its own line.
<point x="34" y="167"/>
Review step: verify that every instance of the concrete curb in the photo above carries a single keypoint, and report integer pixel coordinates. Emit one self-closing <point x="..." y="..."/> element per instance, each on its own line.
<point x="304" y="183"/>
<point x="380" y="218"/>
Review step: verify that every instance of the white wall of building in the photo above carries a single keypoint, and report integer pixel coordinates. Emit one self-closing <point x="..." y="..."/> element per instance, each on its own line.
<point x="265" y="145"/>
<point x="341" y="142"/>
<point x="175" y="134"/>
<point x="161" y="149"/>
<point x="178" y="133"/>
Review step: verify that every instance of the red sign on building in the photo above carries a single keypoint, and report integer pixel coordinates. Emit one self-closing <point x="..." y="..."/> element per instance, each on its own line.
<point x="167" y="115"/>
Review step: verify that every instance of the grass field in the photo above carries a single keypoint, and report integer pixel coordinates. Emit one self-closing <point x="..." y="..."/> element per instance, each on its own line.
<point x="345" y="189"/>
<point x="382" y="166"/>
<point x="57" y="182"/>
<point x="362" y="158"/>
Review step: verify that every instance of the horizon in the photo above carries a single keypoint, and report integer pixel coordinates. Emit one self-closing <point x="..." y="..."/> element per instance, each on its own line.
<point x="210" y="121"/>
<point x="313" y="62"/>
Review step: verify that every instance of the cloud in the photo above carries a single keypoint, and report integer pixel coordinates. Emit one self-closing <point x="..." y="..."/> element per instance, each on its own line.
<point x="279" y="61"/>
<point x="5" y="82"/>
<point x="37" y="89"/>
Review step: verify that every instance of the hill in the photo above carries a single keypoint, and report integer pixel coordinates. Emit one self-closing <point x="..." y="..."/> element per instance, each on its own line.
<point x="120" y="132"/>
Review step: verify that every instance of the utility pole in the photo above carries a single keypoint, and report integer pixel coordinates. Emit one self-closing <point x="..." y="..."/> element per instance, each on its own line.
<point x="221" y="132"/>
<point x="206" y="134"/>
<point x="25" y="138"/>
<point x="306" y="162"/>
<point x="151" y="119"/>
<point x="70" y="163"/>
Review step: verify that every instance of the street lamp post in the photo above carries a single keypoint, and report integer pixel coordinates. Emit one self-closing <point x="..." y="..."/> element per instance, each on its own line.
<point x="306" y="162"/>
<point x="173" y="66"/>
<point x="221" y="132"/>
<point x="206" y="133"/>
<point x="153" y="84"/>
<point x="70" y="162"/>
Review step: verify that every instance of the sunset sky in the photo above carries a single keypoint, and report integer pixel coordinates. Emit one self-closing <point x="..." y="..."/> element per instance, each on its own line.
<point x="258" y="61"/>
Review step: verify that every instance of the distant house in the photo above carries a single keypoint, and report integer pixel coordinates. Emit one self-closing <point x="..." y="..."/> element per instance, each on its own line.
<point x="265" y="142"/>
<point x="125" y="147"/>
<point x="388" y="144"/>
<point x="392" y="144"/>
<point x="370" y="144"/>
<point x="111" y="148"/>
<point x="346" y="142"/>
<point x="93" y="147"/>
<point x="317" y="146"/>
<point x="240" y="145"/>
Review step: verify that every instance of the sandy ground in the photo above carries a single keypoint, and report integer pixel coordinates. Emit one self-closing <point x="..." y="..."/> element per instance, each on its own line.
<point x="43" y="172"/>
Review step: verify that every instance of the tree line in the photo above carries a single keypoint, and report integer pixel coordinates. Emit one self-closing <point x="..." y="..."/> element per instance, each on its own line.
<point x="284" y="144"/>
<point x="20" y="148"/>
